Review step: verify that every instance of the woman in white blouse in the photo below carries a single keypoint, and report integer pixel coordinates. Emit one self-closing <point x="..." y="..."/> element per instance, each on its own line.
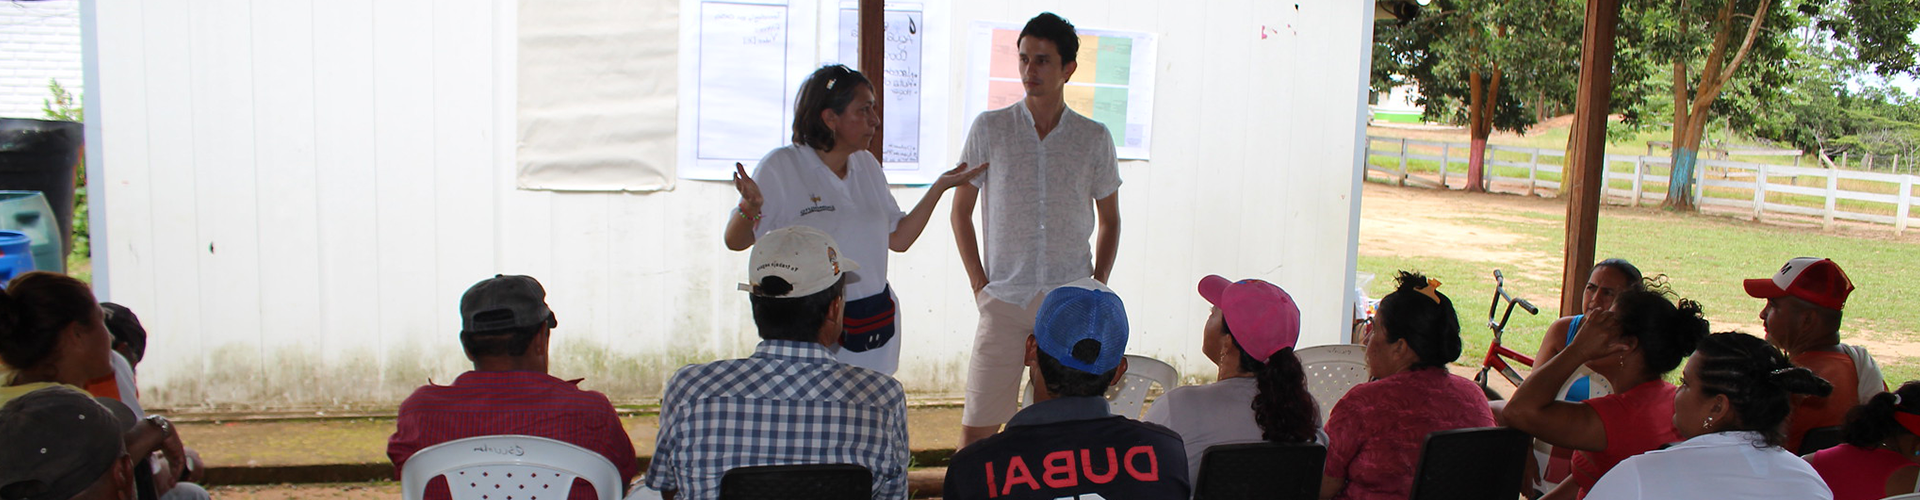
<point x="828" y="181"/>
<point x="1735" y="393"/>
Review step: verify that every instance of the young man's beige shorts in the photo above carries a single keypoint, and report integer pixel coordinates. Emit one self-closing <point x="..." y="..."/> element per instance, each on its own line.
<point x="999" y="357"/>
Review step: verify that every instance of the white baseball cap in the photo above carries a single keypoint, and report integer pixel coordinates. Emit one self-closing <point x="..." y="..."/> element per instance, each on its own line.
<point x="803" y="256"/>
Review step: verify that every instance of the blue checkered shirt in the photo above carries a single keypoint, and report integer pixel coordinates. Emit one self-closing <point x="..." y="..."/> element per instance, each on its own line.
<point x="789" y="403"/>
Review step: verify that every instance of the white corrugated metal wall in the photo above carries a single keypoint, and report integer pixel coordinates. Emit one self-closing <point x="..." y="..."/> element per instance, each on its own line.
<point x="296" y="192"/>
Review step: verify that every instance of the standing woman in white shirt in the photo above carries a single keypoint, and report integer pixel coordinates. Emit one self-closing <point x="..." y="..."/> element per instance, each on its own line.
<point x="828" y="181"/>
<point x="1735" y="393"/>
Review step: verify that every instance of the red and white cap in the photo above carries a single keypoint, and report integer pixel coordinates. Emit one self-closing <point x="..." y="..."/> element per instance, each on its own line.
<point x="1261" y="316"/>
<point x="1812" y="279"/>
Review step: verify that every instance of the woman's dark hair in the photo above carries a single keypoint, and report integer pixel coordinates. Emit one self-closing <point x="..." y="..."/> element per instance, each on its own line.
<point x="1283" y="409"/>
<point x="1635" y="281"/>
<point x="34" y="308"/>
<point x="830" y="87"/>
<point x="1872" y="423"/>
<point x="1667" y="333"/>
<point x="1431" y="329"/>
<point x="1757" y="379"/>
<point x="1068" y="382"/>
<point x="1050" y="27"/>
<point x="792" y="318"/>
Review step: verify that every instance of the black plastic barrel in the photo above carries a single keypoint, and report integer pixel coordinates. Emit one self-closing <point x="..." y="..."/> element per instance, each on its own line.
<point x="40" y="155"/>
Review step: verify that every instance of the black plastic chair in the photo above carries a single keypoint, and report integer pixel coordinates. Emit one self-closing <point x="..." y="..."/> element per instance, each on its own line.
<point x="1819" y="438"/>
<point x="1267" y="471"/>
<point x="798" y="482"/>
<point x="1471" y="464"/>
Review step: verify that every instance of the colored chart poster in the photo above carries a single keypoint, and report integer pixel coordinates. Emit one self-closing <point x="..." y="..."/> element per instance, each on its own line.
<point x="1113" y="84"/>
<point x="915" y="98"/>
<point x="741" y="62"/>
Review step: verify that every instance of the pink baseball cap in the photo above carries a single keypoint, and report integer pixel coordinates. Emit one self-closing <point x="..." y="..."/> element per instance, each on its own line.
<point x="1261" y="316"/>
<point x="1812" y="279"/>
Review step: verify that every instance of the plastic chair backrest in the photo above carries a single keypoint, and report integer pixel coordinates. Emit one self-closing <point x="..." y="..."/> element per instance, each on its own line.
<point x="797" y="482"/>
<point x="1471" y="464"/>
<point x="1819" y="438"/>
<point x="1129" y="397"/>
<point x="1267" y="471"/>
<point x="509" y="467"/>
<point x="1908" y="496"/>
<point x="1331" y="371"/>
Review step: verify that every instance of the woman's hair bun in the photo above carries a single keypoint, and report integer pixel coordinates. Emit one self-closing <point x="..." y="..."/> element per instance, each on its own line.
<point x="1799" y="380"/>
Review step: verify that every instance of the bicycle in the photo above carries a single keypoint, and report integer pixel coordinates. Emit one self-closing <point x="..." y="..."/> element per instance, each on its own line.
<point x="1498" y="354"/>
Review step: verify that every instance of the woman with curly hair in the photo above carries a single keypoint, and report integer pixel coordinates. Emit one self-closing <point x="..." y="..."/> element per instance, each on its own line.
<point x="1882" y="445"/>
<point x="1376" y="430"/>
<point x="1734" y="395"/>
<point x="1262" y="393"/>
<point x="1634" y="345"/>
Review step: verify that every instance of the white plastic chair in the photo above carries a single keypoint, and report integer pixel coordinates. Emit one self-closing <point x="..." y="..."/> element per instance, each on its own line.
<point x="509" y="467"/>
<point x="1331" y="371"/>
<point x="1129" y="397"/>
<point x="1908" y="496"/>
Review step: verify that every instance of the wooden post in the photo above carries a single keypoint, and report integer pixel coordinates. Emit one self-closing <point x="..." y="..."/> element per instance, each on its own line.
<point x="1403" y="163"/>
<point x="1639" y="169"/>
<point x="1589" y="154"/>
<point x="1533" y="170"/>
<point x="1759" y="190"/>
<point x="873" y="64"/>
<point x="1906" y="202"/>
<point x="1833" y="192"/>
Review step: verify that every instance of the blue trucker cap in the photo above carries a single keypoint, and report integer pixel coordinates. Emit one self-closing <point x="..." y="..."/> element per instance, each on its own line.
<point x="1077" y="311"/>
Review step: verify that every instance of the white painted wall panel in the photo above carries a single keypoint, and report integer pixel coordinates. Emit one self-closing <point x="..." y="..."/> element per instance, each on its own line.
<point x="353" y="165"/>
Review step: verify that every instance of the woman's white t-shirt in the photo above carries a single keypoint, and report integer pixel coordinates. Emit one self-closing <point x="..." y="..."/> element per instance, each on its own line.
<point x="1721" y="465"/>
<point x="858" y="211"/>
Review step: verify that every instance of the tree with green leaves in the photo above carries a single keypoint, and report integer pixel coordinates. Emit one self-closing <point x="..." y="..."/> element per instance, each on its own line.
<point x="1711" y="42"/>
<point x="1487" y="64"/>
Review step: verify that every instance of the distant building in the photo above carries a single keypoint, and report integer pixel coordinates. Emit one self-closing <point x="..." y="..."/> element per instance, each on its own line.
<point x="39" y="41"/>
<point x="1396" y="105"/>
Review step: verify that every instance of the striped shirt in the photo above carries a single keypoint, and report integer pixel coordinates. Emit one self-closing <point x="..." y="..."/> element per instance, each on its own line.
<point x="513" y="402"/>
<point x="789" y="403"/>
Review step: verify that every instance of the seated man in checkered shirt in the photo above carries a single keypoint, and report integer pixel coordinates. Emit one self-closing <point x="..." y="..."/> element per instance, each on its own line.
<point x="790" y="402"/>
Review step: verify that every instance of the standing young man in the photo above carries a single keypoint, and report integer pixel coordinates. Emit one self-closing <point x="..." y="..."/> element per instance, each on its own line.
<point x="1055" y="178"/>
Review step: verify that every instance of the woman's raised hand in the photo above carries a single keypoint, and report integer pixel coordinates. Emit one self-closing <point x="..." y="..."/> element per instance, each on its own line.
<point x="1599" y="337"/>
<point x="750" y="198"/>
<point x="959" y="175"/>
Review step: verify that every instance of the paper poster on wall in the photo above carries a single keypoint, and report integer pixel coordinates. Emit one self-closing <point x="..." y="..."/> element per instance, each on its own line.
<point x="1113" y="84"/>
<point x="915" y="98"/>
<point x="741" y="61"/>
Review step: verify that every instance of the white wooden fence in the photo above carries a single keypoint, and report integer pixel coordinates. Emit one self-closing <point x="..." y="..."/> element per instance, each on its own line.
<point x="1757" y="189"/>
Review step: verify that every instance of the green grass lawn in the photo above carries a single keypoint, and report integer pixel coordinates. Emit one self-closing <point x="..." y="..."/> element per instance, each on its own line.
<point x="1704" y="257"/>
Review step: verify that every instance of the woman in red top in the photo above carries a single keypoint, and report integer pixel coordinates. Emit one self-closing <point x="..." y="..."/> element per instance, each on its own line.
<point x="1642" y="339"/>
<point x="1375" y="431"/>
<point x="1881" y="449"/>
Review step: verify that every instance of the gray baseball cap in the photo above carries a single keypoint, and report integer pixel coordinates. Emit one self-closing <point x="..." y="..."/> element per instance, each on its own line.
<point x="56" y="442"/>
<point x="503" y="302"/>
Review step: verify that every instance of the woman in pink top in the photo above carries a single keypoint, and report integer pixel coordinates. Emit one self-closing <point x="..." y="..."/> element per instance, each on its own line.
<point x="1881" y="449"/>
<point x="1642" y="339"/>
<point x="1375" y="432"/>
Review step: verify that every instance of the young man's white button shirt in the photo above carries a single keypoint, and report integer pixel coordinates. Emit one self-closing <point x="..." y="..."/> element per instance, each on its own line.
<point x="1038" y="198"/>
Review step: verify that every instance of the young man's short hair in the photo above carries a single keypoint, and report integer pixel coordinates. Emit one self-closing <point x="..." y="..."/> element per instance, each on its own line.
<point x="793" y="318"/>
<point x="1067" y="382"/>
<point x="1050" y="27"/>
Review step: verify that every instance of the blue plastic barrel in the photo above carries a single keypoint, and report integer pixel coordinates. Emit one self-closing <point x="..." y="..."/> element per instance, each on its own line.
<point x="16" y="254"/>
<point x="28" y="212"/>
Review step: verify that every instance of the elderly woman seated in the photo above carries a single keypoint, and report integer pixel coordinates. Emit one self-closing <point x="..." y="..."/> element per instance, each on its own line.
<point x="1375" y="432"/>
<point x="1881" y="449"/>
<point x="1734" y="395"/>
<point x="1643" y="338"/>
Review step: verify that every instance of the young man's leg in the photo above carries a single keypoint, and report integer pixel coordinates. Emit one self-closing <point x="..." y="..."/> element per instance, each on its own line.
<point x="993" y="375"/>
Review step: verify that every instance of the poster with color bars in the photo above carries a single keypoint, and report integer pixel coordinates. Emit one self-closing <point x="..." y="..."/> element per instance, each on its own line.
<point x="1113" y="84"/>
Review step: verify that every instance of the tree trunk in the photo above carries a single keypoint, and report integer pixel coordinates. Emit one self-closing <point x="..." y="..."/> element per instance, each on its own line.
<point x="1690" y="116"/>
<point x="1480" y="104"/>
